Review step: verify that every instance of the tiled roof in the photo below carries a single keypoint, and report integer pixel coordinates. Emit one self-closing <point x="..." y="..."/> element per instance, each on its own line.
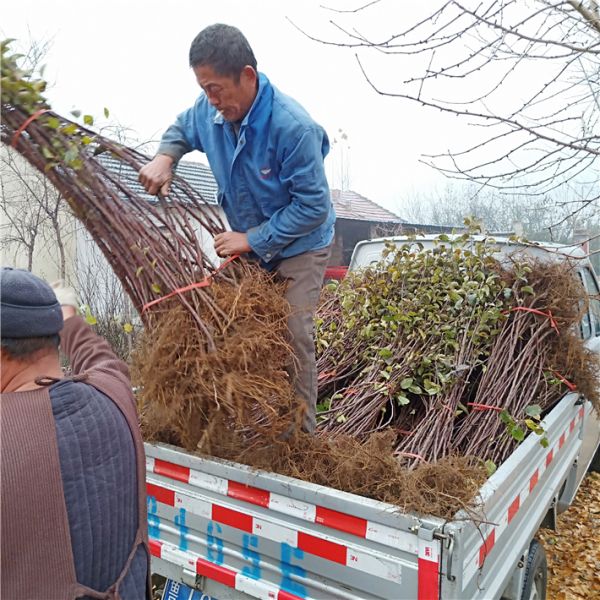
<point x="347" y="204"/>
<point x="350" y="205"/>
<point x="199" y="176"/>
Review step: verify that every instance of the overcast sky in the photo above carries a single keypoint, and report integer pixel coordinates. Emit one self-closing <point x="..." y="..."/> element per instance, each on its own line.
<point x="131" y="56"/>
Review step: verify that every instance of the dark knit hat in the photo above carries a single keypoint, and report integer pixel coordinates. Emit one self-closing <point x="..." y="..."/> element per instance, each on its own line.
<point x="28" y="306"/>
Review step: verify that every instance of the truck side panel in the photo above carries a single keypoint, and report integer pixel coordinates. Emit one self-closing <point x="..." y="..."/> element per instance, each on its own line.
<point x="515" y="500"/>
<point x="269" y="536"/>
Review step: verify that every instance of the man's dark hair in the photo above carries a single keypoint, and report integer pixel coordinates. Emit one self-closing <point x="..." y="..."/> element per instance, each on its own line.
<point x="224" y="48"/>
<point x="22" y="348"/>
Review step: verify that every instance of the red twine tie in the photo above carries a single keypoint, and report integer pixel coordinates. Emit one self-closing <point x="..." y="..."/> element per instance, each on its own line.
<point x="325" y="375"/>
<point x="535" y="311"/>
<point x="200" y="284"/>
<point x="23" y="127"/>
<point x="570" y="385"/>
<point x="478" y="407"/>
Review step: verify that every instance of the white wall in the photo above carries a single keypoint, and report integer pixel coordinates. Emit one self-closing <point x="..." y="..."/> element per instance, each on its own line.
<point x="23" y="192"/>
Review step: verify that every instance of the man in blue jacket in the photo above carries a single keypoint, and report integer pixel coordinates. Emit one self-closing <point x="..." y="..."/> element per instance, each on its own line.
<point x="266" y="154"/>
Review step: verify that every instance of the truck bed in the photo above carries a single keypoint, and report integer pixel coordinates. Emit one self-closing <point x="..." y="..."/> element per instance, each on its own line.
<point x="271" y="536"/>
<point x="237" y="532"/>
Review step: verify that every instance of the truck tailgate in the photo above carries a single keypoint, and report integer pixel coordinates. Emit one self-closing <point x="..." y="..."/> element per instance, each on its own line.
<point x="482" y="557"/>
<point x="270" y="536"/>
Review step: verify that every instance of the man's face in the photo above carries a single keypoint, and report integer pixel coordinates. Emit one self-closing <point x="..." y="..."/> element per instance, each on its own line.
<point x="233" y="100"/>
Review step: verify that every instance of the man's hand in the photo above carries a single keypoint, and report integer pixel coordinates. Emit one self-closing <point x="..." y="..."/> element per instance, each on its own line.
<point x="231" y="242"/>
<point x="67" y="298"/>
<point x="68" y="311"/>
<point x="156" y="176"/>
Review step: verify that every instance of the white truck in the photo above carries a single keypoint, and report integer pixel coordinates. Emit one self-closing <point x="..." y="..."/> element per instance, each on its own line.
<point x="224" y="530"/>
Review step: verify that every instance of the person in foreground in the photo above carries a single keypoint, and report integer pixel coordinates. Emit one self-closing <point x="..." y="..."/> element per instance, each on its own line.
<point x="267" y="154"/>
<point x="73" y="512"/>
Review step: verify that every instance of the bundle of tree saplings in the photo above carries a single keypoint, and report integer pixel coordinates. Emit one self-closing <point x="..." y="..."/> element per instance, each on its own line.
<point x="214" y="350"/>
<point x="454" y="351"/>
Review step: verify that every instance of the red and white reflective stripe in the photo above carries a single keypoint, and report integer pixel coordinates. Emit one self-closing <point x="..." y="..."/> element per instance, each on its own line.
<point x="362" y="528"/>
<point x="394" y="538"/>
<point x="429" y="572"/>
<point x="491" y="533"/>
<point x="274" y="532"/>
<point x="149" y="464"/>
<point x="208" y="482"/>
<point x="229" y="577"/>
<point x="320" y="546"/>
<point x="292" y="508"/>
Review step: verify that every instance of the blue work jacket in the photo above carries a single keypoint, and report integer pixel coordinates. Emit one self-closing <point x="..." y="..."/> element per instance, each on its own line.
<point x="271" y="176"/>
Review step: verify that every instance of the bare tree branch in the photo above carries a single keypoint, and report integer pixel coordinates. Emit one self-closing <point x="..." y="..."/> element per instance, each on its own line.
<point x="524" y="76"/>
<point x="352" y="10"/>
<point x="592" y="18"/>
